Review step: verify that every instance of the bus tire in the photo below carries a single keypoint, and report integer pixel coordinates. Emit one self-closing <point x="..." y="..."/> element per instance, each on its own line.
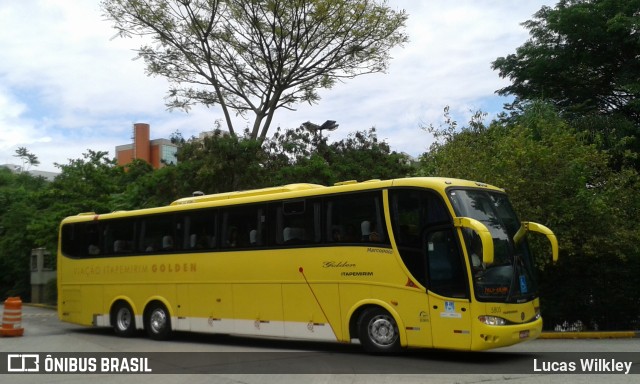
<point x="378" y="331"/>
<point x="123" y="319"/>
<point x="158" y="321"/>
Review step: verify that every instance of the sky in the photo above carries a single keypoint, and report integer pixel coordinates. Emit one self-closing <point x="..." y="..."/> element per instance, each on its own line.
<point x="68" y="84"/>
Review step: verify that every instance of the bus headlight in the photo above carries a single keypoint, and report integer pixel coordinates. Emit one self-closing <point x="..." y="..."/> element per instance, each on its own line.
<point x="492" y="320"/>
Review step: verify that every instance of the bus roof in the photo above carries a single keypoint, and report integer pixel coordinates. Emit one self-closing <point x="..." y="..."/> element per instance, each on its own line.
<point x="248" y="193"/>
<point x="289" y="191"/>
<point x="432" y="182"/>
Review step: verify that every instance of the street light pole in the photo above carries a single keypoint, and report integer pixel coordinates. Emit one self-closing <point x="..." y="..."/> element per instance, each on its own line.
<point x="329" y="125"/>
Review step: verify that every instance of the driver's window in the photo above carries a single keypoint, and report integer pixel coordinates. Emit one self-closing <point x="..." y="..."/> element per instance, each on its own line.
<point x="446" y="271"/>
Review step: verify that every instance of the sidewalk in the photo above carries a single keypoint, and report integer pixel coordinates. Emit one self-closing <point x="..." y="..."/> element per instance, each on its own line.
<point x="591" y="335"/>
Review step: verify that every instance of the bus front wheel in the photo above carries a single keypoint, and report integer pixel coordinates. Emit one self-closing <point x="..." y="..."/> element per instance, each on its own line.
<point x="123" y="320"/>
<point x="158" y="322"/>
<point x="378" y="331"/>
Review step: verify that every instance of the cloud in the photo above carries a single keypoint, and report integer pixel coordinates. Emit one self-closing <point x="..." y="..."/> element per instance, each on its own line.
<point x="446" y="63"/>
<point x="66" y="85"/>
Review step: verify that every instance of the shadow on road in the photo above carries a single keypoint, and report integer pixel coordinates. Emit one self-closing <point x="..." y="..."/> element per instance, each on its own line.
<point x="293" y="356"/>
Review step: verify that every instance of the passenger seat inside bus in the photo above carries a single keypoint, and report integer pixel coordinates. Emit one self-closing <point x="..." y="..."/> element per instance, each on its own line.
<point x="369" y="232"/>
<point x="121" y="246"/>
<point x="167" y="243"/>
<point x="365" y="229"/>
<point x="201" y="241"/>
<point x="293" y="235"/>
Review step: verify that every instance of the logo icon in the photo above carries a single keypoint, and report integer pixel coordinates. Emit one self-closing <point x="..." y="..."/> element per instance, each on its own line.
<point x="449" y="306"/>
<point x="23" y="363"/>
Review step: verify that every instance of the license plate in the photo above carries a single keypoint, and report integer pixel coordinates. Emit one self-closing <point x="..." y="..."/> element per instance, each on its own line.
<point x="524" y="334"/>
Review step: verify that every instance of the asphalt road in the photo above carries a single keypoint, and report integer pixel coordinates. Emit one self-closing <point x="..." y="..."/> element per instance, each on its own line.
<point x="197" y="358"/>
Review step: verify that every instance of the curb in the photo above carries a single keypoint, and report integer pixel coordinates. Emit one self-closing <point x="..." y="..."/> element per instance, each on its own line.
<point x="591" y="335"/>
<point x="40" y="305"/>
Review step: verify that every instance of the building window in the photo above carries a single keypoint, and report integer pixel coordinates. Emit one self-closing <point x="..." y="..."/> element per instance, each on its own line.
<point x="168" y="155"/>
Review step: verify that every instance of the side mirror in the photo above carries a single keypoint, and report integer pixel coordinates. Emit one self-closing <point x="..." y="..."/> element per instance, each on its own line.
<point x="539" y="228"/>
<point x="483" y="233"/>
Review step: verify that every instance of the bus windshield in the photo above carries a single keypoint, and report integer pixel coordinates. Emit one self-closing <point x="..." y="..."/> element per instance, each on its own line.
<point x="511" y="277"/>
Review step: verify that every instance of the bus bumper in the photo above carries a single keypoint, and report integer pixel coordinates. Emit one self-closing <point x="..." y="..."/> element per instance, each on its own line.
<point x="495" y="336"/>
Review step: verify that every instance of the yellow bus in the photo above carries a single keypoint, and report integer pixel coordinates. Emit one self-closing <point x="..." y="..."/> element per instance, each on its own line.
<point x="414" y="262"/>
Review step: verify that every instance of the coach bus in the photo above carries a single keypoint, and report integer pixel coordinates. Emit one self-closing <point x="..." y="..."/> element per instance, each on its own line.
<point x="414" y="262"/>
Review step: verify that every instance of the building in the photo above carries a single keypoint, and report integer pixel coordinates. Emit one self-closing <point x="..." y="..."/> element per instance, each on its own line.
<point x="158" y="152"/>
<point x="43" y="275"/>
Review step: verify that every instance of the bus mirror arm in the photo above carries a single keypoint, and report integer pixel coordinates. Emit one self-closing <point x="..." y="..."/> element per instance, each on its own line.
<point x="528" y="226"/>
<point x="483" y="233"/>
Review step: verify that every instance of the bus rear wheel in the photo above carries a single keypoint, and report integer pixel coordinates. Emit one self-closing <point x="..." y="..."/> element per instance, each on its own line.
<point x="158" y="322"/>
<point x="378" y="331"/>
<point x="123" y="320"/>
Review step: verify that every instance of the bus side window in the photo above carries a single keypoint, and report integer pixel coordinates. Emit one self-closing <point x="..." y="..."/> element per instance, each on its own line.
<point x="92" y="239"/>
<point x="159" y="233"/>
<point x="414" y="212"/>
<point x="242" y="227"/>
<point x="446" y="271"/>
<point x="120" y="235"/>
<point x="355" y="218"/>
<point x="200" y="230"/>
<point x="298" y="222"/>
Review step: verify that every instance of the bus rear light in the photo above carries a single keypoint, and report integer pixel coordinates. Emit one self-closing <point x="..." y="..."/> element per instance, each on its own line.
<point x="492" y="320"/>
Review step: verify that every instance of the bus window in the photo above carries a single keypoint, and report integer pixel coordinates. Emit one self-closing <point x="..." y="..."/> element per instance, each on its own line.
<point x="446" y="271"/>
<point x="81" y="240"/>
<point x="242" y="227"/>
<point x="413" y="212"/>
<point x="158" y="234"/>
<point x="120" y="236"/>
<point x="92" y="239"/>
<point x="200" y="230"/>
<point x="297" y="222"/>
<point x="355" y="218"/>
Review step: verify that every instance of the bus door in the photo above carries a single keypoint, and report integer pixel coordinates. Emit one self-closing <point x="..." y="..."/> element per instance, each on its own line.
<point x="428" y="245"/>
<point x="447" y="290"/>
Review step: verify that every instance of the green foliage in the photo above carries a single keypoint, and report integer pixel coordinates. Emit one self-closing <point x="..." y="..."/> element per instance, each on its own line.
<point x="362" y="157"/>
<point x="221" y="163"/>
<point x="17" y="214"/>
<point x="27" y="158"/>
<point x="619" y="137"/>
<point x="583" y="57"/>
<point x="298" y="155"/>
<point x="592" y="293"/>
<point x="86" y="185"/>
<point x="255" y="57"/>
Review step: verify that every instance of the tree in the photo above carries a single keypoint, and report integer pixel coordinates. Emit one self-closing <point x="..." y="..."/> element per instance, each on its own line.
<point x="361" y="156"/>
<point x="220" y="163"/>
<point x="256" y="56"/>
<point x="85" y="185"/>
<point x="27" y="158"/>
<point x="582" y="57"/>
<point x="18" y="192"/>
<point x="298" y="155"/>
